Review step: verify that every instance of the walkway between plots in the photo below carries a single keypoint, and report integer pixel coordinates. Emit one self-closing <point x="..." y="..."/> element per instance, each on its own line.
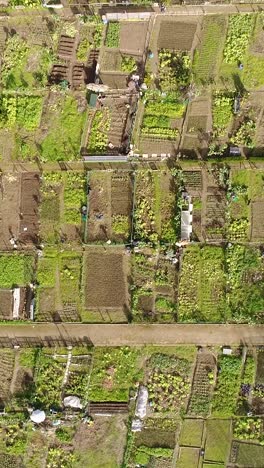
<point x="49" y="334"/>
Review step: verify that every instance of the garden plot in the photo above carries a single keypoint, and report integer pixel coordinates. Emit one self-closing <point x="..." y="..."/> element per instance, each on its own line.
<point x="105" y="282"/>
<point x="156" y="206"/>
<point x="202" y="386"/>
<point x="247" y="206"/>
<point x="245" y="402"/>
<point x="16" y="270"/>
<point x="158" y="432"/>
<point x="196" y="128"/>
<point x="208" y="53"/>
<point x="218" y="440"/>
<point x="168" y="379"/>
<point x="192" y="433"/>
<point x="133" y="37"/>
<point x="101" y="444"/>
<point x="177" y="35"/>
<point x="162" y="123"/>
<point x="62" y="196"/>
<point x="155" y="282"/>
<point x="78" y="376"/>
<point x="188" y="457"/>
<point x="202" y="285"/>
<point x="7" y="358"/>
<point x="247" y="455"/>
<point x="244" y="284"/>
<point x="62" y="122"/>
<point x="114" y="372"/>
<point x="58" y="293"/>
<point x="32" y="54"/>
<point x="110" y="124"/>
<point x="213" y="223"/>
<point x="20" y="120"/>
<point x="23" y="203"/>
<point x="110" y="206"/>
<point x="224" y="403"/>
<point x="123" y="52"/>
<point x="29" y="203"/>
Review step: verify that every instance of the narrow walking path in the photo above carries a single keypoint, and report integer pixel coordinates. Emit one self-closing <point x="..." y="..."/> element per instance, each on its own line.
<point x="133" y="334"/>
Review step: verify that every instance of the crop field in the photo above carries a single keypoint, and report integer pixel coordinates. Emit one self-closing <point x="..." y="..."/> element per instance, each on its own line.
<point x="110" y="206"/>
<point x="105" y="281"/>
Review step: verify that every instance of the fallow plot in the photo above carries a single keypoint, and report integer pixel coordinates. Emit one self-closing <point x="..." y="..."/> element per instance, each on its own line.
<point x="30" y="199"/>
<point x="105" y="282"/>
<point x="176" y="35"/>
<point x="133" y="36"/>
<point x="7" y="359"/>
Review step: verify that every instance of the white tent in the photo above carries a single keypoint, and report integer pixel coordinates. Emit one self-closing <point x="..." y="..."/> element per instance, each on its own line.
<point x="38" y="416"/>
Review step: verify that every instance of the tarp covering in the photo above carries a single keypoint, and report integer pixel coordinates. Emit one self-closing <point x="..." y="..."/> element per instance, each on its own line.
<point x="142" y="400"/>
<point x="72" y="401"/>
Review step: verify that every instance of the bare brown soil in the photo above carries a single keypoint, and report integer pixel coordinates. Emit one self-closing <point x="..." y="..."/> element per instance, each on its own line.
<point x="5" y="304"/>
<point x="176" y="35"/>
<point x="46" y="303"/>
<point x="99" y="221"/>
<point x="257" y="221"/>
<point x="133" y="37"/>
<point x="6" y="365"/>
<point x="30" y="198"/>
<point x="121" y="194"/>
<point x="114" y="80"/>
<point x="9" y="209"/>
<point x="105" y="280"/>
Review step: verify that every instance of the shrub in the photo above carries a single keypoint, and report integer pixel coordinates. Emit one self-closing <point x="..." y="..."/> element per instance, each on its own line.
<point x="128" y="64"/>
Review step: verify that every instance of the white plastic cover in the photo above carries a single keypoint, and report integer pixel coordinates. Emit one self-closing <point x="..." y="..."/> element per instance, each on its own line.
<point x="38" y="416"/>
<point x="72" y="401"/>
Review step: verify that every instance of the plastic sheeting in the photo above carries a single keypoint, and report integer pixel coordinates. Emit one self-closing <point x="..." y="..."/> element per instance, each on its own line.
<point x="142" y="401"/>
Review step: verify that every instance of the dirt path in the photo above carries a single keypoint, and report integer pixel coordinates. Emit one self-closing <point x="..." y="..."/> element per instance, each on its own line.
<point x="133" y="335"/>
